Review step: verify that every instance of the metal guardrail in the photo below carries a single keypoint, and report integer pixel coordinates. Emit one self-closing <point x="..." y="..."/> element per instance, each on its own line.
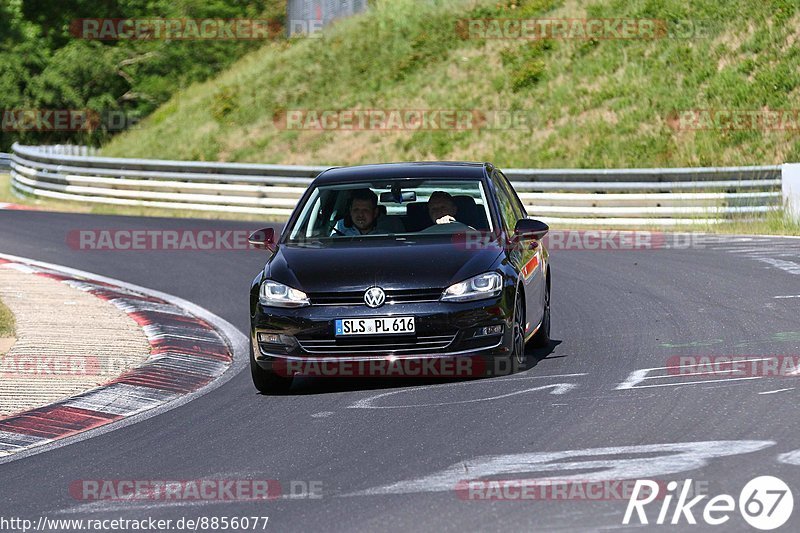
<point x="627" y="197"/>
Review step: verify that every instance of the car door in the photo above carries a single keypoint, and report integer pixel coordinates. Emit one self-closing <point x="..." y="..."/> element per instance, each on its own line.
<point x="524" y="253"/>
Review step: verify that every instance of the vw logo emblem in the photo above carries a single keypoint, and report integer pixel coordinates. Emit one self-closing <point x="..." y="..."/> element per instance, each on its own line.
<point x="374" y="297"/>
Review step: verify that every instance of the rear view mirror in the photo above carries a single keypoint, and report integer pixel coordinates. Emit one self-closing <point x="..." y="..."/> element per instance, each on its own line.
<point x="528" y="228"/>
<point x="397" y="197"/>
<point x="263" y="239"/>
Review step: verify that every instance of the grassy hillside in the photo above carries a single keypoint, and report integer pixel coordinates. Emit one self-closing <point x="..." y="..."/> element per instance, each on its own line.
<point x="607" y="103"/>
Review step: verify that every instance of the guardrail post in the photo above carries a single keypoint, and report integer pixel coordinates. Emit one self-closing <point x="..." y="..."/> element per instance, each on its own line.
<point x="790" y="185"/>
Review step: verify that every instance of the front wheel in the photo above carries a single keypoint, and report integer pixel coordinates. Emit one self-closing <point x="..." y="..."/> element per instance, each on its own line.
<point x="514" y="360"/>
<point x="541" y="338"/>
<point x="518" y="335"/>
<point x="267" y="381"/>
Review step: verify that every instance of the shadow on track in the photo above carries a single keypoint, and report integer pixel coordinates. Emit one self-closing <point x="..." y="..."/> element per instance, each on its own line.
<point x="533" y="356"/>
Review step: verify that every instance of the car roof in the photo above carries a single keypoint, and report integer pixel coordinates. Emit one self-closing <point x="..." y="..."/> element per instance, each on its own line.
<point x="424" y="169"/>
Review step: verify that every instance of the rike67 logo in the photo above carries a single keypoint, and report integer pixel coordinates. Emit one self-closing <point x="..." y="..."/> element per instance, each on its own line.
<point x="765" y="503"/>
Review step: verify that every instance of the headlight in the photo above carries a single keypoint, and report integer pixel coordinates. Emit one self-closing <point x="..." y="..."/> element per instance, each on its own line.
<point x="276" y="294"/>
<point x="484" y="286"/>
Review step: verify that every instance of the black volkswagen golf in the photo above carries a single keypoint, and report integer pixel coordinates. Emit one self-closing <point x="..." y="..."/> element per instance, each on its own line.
<point x="400" y="263"/>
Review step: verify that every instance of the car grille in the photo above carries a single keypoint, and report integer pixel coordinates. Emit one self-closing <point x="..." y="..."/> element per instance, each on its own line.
<point x="392" y="297"/>
<point x="398" y="345"/>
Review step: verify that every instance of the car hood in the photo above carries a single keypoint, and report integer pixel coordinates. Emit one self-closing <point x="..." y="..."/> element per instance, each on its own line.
<point x="389" y="265"/>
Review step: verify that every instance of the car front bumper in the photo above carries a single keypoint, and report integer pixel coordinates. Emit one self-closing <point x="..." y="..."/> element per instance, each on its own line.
<point x="444" y="332"/>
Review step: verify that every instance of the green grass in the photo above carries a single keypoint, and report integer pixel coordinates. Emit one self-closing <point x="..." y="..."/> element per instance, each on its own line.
<point x="774" y="223"/>
<point x="605" y="103"/>
<point x="6" y="321"/>
<point x="47" y="204"/>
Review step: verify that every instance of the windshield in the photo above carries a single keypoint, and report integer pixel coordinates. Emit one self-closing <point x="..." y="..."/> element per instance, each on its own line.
<point x="392" y="207"/>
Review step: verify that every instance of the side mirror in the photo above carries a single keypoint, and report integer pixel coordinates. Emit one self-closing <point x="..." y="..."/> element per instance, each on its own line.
<point x="528" y="228"/>
<point x="263" y="239"/>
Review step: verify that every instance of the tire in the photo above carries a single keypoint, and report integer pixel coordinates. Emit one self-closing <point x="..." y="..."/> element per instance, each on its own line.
<point x="515" y="360"/>
<point x="267" y="381"/>
<point x="541" y="339"/>
<point x="518" y="336"/>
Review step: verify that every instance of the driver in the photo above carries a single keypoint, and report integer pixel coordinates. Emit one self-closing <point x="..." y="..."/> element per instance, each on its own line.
<point x="363" y="215"/>
<point x="442" y="209"/>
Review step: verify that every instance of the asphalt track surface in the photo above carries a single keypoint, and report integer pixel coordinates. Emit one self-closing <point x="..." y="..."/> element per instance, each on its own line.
<point x="614" y="312"/>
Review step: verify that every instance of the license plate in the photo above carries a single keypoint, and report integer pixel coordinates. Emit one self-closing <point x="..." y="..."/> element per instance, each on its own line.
<point x="375" y="326"/>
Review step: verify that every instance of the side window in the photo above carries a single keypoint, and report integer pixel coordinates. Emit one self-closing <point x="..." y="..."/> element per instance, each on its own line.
<point x="508" y="213"/>
<point x="518" y="206"/>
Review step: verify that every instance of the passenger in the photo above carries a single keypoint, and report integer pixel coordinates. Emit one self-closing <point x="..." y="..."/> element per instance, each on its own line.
<point x="363" y="215"/>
